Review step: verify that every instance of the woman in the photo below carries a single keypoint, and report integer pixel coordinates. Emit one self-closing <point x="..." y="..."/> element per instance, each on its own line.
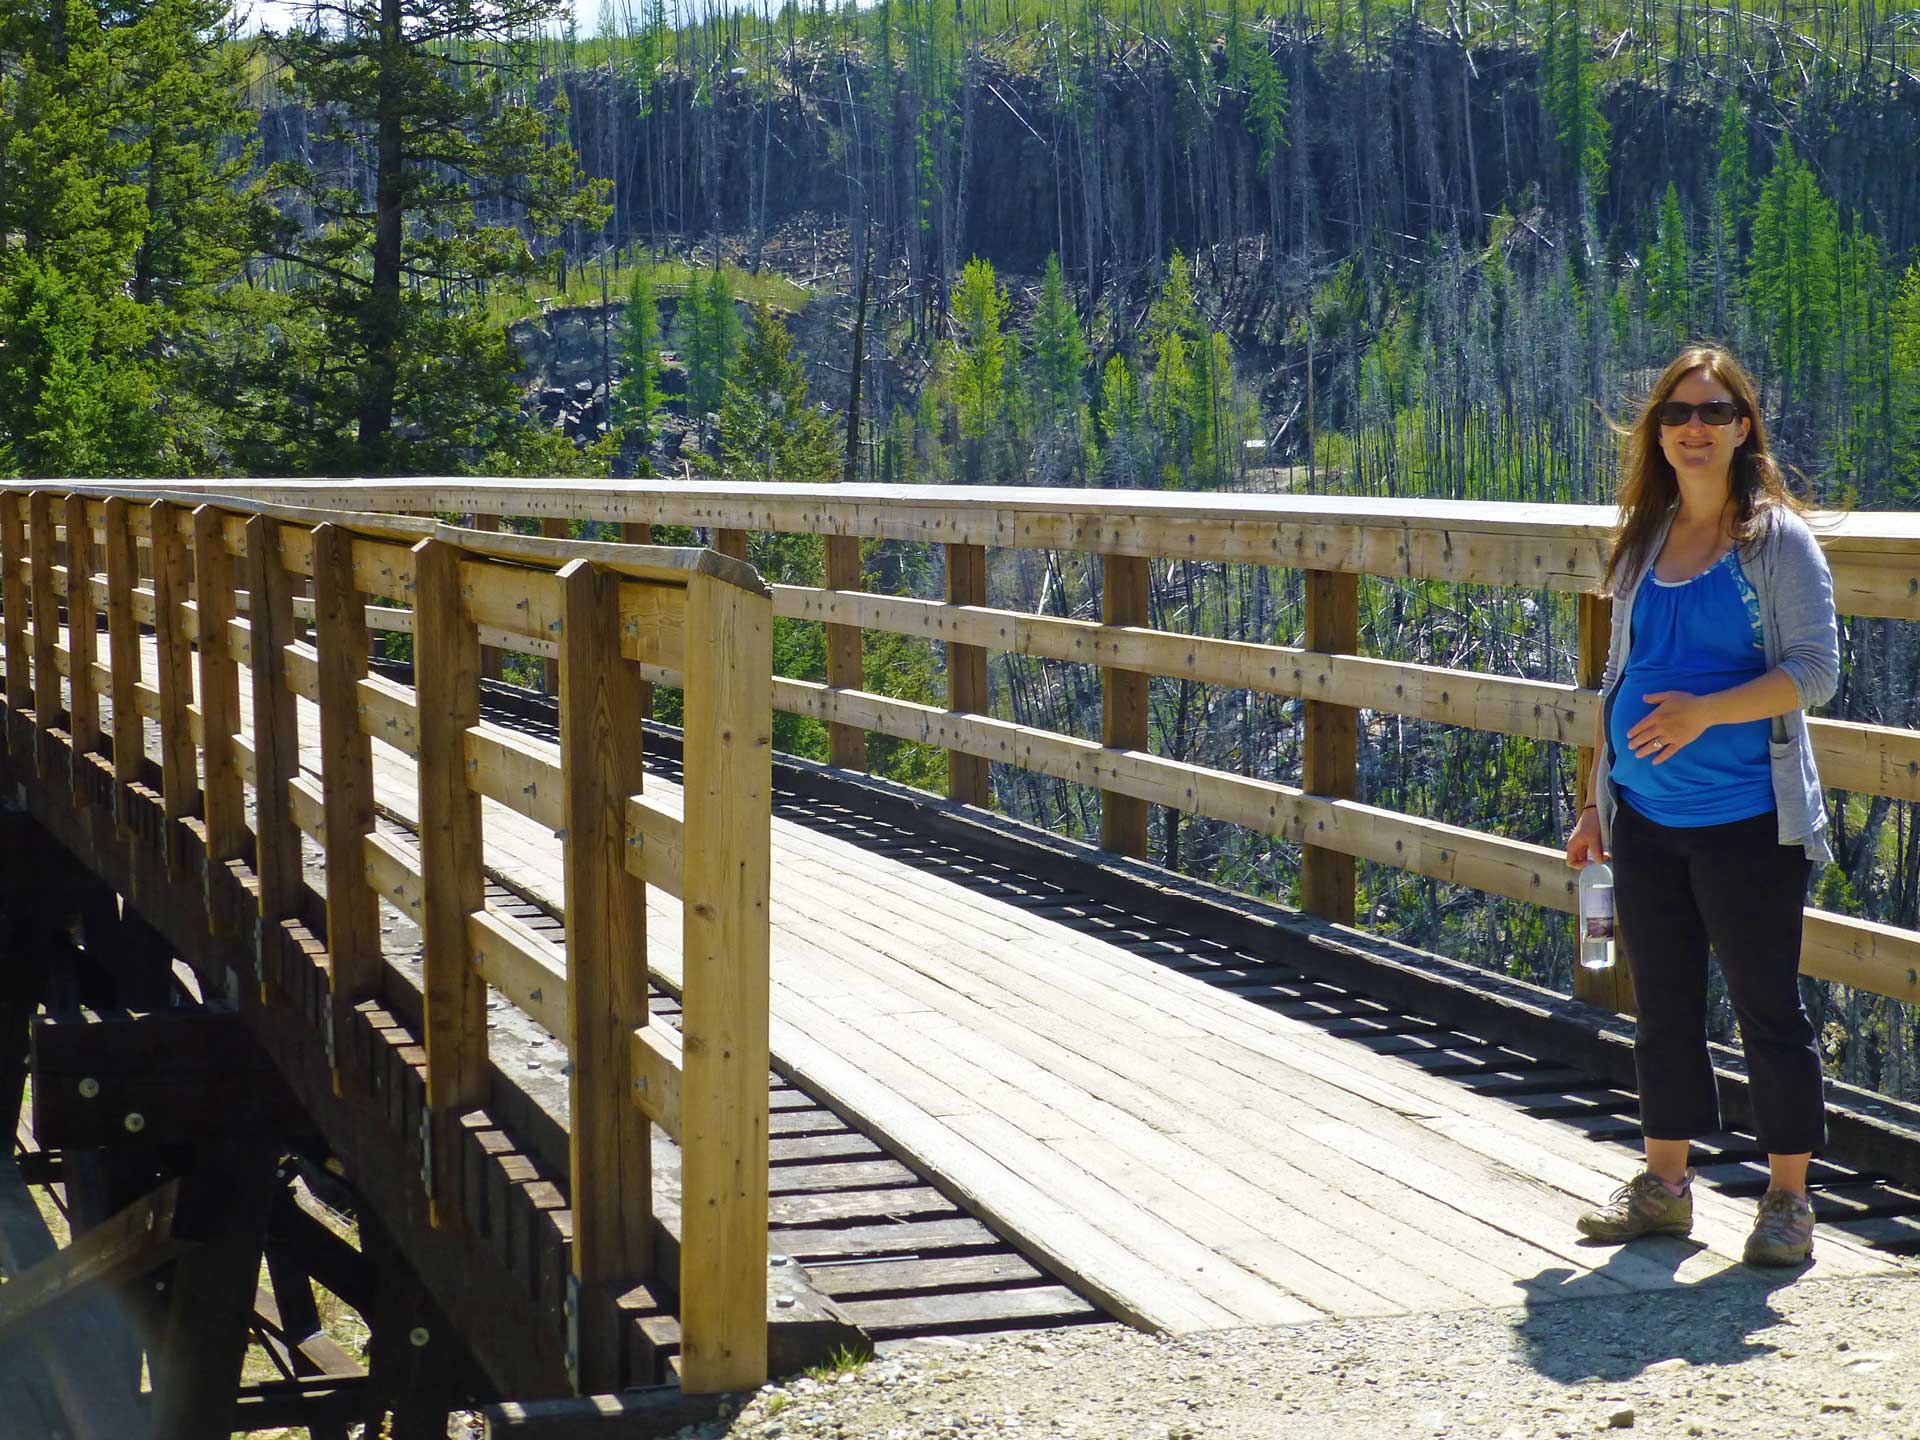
<point x="1703" y="791"/>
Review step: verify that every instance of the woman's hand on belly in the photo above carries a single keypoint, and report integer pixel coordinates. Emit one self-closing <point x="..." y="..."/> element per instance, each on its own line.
<point x="1676" y="721"/>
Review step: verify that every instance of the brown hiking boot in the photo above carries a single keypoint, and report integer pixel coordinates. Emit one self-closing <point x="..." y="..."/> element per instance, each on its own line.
<point x="1642" y="1206"/>
<point x="1783" y="1230"/>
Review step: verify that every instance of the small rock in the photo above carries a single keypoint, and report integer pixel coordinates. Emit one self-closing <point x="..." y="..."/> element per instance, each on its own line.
<point x="1836" y="1405"/>
<point x="1621" y="1419"/>
<point x="1678" y="1362"/>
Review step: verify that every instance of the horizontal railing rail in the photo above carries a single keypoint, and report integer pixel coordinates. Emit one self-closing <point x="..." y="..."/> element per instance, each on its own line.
<point x="1875" y="558"/>
<point x="214" y="583"/>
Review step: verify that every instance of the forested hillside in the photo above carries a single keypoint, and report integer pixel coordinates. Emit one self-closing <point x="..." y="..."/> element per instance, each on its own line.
<point x="1417" y="250"/>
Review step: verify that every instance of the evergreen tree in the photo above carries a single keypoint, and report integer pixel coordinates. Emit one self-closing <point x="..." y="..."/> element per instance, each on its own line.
<point x="979" y="358"/>
<point x="708" y="332"/>
<point x="1059" y="352"/>
<point x="637" y="395"/>
<point x="1730" y="182"/>
<point x="1791" y="277"/>
<point x="418" y="97"/>
<point x="768" y="429"/>
<point x="1573" y="107"/>
<point x="1670" y="279"/>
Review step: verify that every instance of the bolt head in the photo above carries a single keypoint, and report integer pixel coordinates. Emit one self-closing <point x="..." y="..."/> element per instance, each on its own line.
<point x="135" y="1122"/>
<point x="89" y="1088"/>
<point x="419" y="1336"/>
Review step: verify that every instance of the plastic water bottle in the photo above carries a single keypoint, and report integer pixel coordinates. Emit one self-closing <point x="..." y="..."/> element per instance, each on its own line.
<point x="1596" y="915"/>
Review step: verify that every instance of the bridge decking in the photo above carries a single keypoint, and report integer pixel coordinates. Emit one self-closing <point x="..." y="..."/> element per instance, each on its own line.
<point x="1190" y="1155"/>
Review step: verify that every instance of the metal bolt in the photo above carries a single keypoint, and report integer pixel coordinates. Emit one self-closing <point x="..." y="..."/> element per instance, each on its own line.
<point x="89" y="1088"/>
<point x="419" y="1335"/>
<point x="783" y="1302"/>
<point x="135" y="1122"/>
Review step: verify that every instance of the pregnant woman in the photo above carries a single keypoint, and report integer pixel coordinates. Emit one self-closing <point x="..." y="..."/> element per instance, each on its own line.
<point x="1703" y="791"/>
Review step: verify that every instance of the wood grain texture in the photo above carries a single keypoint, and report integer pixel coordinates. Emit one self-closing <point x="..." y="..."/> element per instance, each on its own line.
<point x="225" y="802"/>
<point x="46" y="611"/>
<point x="491" y="656"/>
<point x="13" y="599"/>
<point x="606" y="920"/>
<point x="725" y="939"/>
<point x="453" y="885"/>
<point x="553" y="527"/>
<point x="846" y="667"/>
<point x="1330" y="743"/>
<point x="353" y="910"/>
<point x="83" y="633"/>
<point x="1125" y="716"/>
<point x="274" y="737"/>
<point x="969" y="780"/>
<point x="179" y="780"/>
<point x="123" y="641"/>
<point x="640" y="534"/>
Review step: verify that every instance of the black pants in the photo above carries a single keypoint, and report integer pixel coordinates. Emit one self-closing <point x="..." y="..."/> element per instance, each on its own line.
<point x="1737" y="888"/>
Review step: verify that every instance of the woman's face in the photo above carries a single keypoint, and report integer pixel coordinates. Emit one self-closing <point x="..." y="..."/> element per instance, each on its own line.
<point x="1696" y="448"/>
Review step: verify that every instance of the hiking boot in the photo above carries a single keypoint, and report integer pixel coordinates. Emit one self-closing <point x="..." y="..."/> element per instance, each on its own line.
<point x="1642" y="1206"/>
<point x="1783" y="1230"/>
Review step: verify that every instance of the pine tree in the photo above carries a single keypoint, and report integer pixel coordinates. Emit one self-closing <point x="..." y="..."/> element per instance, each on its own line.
<point x="637" y="396"/>
<point x="768" y="428"/>
<point x="418" y="96"/>
<point x="1573" y="105"/>
<point x="979" y="358"/>
<point x="708" y="333"/>
<point x="1059" y="351"/>
<point x="1670" y="278"/>
<point x="1730" y="184"/>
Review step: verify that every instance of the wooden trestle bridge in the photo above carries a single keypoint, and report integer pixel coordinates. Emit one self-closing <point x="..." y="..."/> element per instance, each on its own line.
<point x="649" y="1066"/>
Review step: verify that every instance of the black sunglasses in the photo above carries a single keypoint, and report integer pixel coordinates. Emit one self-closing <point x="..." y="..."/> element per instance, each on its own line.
<point x="1675" y="413"/>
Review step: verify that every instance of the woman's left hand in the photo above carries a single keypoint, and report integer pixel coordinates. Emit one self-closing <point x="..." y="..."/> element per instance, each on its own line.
<point x="1675" y="723"/>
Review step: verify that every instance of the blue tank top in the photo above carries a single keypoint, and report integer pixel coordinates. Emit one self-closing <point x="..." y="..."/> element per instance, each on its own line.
<point x="1702" y="636"/>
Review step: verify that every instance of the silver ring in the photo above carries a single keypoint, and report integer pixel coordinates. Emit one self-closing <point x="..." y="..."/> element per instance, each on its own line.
<point x="1659" y="744"/>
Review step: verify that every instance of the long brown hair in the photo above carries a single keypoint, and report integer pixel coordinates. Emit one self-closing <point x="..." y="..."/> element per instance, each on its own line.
<point x="1648" y="489"/>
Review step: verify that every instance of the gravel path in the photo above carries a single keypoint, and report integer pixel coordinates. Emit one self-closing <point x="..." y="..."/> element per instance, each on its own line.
<point x="1739" y="1356"/>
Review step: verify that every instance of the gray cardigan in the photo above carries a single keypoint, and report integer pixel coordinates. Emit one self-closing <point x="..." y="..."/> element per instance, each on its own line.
<point x="1795" y="589"/>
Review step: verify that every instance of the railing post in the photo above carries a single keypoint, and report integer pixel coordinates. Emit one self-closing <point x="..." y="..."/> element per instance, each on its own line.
<point x="123" y="653"/>
<point x="1125" y="599"/>
<point x="606" y="920"/>
<point x="446" y="676"/>
<point x="46" y="626"/>
<point x="968" y="778"/>
<point x="1612" y="989"/>
<point x="1330" y="749"/>
<point x="639" y="532"/>
<point x="491" y="656"/>
<point x="179" y="777"/>
<point x="723" y="1090"/>
<point x="13" y="595"/>
<point x="552" y="528"/>
<point x="82" y="643"/>
<point x="226" y="797"/>
<point x="346" y="768"/>
<point x="732" y="543"/>
<point x="846" y="670"/>
<point x="276" y="736"/>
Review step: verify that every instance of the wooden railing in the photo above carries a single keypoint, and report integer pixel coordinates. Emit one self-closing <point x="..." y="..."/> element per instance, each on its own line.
<point x="223" y="596"/>
<point x="1875" y="560"/>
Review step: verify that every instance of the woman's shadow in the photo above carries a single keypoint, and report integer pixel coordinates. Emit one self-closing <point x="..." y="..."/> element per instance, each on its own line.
<point x="1614" y="1321"/>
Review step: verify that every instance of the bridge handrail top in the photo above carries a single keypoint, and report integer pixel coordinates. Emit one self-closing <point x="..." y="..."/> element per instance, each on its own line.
<point x="1878" y="530"/>
<point x="670" y="564"/>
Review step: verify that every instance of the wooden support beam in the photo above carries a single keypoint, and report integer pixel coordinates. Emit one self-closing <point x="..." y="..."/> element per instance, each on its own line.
<point x="276" y="738"/>
<point x="629" y="1415"/>
<point x="640" y="533"/>
<point x="83" y="618"/>
<point x="13" y="599"/>
<point x="446" y="670"/>
<point x="732" y="543"/>
<point x="1611" y="989"/>
<point x="969" y="779"/>
<point x="846" y="668"/>
<point x="123" y="642"/>
<point x="132" y="1243"/>
<point x="46" y="623"/>
<point x="491" y="657"/>
<point x="1126" y="593"/>
<point x="224" y="1203"/>
<point x="226" y="796"/>
<point x="723" y="1101"/>
<point x="172" y="569"/>
<point x="606" y="920"/>
<point x="346" y="762"/>
<point x="1330" y="744"/>
<point x="553" y="528"/>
